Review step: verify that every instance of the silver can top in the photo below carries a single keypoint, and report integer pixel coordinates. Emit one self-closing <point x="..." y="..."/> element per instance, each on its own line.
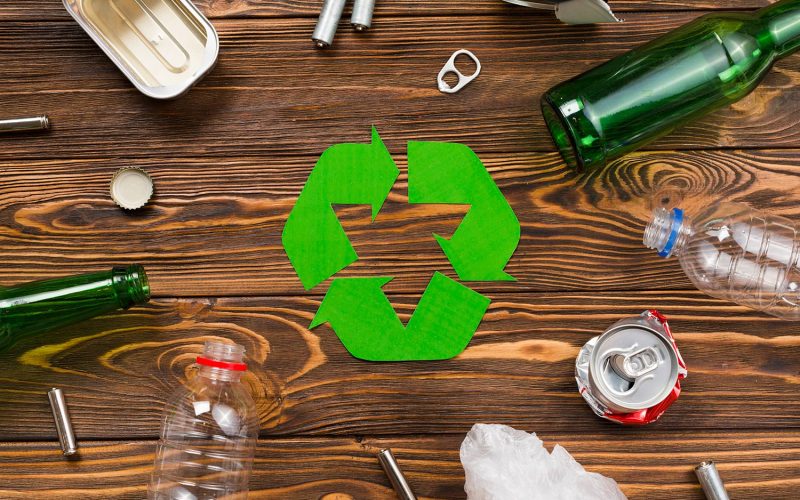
<point x="633" y="367"/>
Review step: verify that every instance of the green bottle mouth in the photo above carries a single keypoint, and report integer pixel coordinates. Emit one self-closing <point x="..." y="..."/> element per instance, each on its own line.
<point x="132" y="285"/>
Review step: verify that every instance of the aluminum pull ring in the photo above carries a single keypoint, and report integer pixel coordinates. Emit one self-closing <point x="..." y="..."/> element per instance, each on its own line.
<point x="450" y="67"/>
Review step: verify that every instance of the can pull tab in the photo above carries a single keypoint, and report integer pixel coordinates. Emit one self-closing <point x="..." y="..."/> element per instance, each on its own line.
<point x="450" y="67"/>
<point x="634" y="365"/>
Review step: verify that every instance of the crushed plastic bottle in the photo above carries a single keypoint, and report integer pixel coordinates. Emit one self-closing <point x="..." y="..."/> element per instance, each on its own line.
<point x="209" y="432"/>
<point x="734" y="252"/>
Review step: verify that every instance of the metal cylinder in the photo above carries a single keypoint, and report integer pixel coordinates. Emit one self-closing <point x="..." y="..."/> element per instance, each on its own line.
<point x="25" y="124"/>
<point x="396" y="476"/>
<point x="362" y="14"/>
<point x="328" y="22"/>
<point x="712" y="484"/>
<point x="63" y="425"/>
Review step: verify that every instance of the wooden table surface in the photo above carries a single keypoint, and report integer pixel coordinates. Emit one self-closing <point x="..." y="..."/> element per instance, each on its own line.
<point x="229" y="160"/>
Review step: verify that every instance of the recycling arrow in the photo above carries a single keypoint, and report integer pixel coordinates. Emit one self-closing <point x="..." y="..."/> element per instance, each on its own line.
<point x="480" y="248"/>
<point x="346" y="174"/>
<point x="449" y="313"/>
<point x="365" y="321"/>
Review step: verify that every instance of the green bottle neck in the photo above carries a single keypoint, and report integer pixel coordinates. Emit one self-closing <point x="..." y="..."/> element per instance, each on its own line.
<point x="120" y="288"/>
<point x="41" y="306"/>
<point x="783" y="23"/>
<point x="131" y="285"/>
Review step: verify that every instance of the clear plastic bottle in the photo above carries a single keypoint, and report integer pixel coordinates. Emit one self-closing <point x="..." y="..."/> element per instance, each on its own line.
<point x="209" y="432"/>
<point x="733" y="252"/>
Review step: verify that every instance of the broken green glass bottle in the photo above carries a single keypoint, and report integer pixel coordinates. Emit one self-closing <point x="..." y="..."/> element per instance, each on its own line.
<point x="34" y="308"/>
<point x="633" y="99"/>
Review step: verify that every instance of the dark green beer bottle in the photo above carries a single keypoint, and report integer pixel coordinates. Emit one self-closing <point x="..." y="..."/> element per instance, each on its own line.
<point x="711" y="62"/>
<point x="37" y="307"/>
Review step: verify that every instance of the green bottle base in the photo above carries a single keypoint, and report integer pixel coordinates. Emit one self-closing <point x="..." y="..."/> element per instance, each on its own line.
<point x="561" y="137"/>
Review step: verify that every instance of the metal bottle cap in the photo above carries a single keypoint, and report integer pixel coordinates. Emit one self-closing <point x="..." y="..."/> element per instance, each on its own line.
<point x="66" y="436"/>
<point x="131" y="188"/>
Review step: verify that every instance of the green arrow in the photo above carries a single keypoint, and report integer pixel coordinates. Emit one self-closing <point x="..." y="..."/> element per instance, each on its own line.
<point x="365" y="321"/>
<point x="489" y="234"/>
<point x="346" y="174"/>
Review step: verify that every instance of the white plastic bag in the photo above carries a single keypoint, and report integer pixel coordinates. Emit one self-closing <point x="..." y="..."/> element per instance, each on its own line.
<point x="502" y="463"/>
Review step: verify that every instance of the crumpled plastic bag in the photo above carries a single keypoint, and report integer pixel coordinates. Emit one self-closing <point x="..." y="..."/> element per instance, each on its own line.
<point x="502" y="463"/>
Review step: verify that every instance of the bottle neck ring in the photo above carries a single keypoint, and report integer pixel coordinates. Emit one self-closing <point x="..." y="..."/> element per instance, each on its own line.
<point x="223" y="365"/>
<point x="222" y="361"/>
<point x="666" y="231"/>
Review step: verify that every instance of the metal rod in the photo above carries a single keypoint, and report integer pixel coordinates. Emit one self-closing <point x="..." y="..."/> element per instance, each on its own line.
<point x="712" y="484"/>
<point x="63" y="425"/>
<point x="25" y="124"/>
<point x="328" y="22"/>
<point x="396" y="476"/>
<point x="362" y="14"/>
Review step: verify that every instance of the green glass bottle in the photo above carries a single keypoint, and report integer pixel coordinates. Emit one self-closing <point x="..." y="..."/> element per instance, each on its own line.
<point x="34" y="308"/>
<point x="711" y="62"/>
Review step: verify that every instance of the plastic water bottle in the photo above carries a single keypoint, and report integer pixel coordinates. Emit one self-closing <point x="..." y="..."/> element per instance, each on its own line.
<point x="209" y="432"/>
<point x="734" y="252"/>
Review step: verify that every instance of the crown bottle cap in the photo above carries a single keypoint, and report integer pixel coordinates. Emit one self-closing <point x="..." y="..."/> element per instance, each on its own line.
<point x="131" y="188"/>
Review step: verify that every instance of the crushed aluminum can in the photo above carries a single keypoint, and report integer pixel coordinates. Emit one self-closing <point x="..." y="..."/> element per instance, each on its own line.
<point x="631" y="373"/>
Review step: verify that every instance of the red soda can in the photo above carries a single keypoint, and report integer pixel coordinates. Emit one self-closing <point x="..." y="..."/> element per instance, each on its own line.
<point x="631" y="373"/>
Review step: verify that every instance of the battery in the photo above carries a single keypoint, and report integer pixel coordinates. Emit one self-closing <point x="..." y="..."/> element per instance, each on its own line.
<point x="631" y="373"/>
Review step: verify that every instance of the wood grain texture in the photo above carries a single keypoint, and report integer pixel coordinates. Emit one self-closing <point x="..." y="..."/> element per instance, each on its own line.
<point x="754" y="465"/>
<point x="256" y="101"/>
<point x="47" y="9"/>
<point x="518" y="370"/>
<point x="214" y="226"/>
<point x="230" y="159"/>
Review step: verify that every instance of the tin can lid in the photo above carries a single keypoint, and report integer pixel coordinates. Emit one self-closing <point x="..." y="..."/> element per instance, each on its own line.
<point x="633" y="368"/>
<point x="131" y="188"/>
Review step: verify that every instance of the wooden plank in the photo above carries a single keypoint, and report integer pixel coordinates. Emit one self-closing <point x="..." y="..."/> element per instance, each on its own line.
<point x="518" y="370"/>
<point x="214" y="227"/>
<point x="44" y="9"/>
<point x="257" y="100"/>
<point x="753" y="464"/>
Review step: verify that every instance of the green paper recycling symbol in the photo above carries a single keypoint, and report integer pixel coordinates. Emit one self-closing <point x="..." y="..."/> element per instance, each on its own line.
<point x="449" y="313"/>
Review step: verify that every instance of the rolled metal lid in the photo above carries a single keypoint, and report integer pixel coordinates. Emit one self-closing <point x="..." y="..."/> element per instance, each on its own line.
<point x="632" y="368"/>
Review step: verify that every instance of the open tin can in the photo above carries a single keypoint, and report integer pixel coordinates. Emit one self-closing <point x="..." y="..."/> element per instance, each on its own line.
<point x="164" y="47"/>
<point x="631" y="373"/>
